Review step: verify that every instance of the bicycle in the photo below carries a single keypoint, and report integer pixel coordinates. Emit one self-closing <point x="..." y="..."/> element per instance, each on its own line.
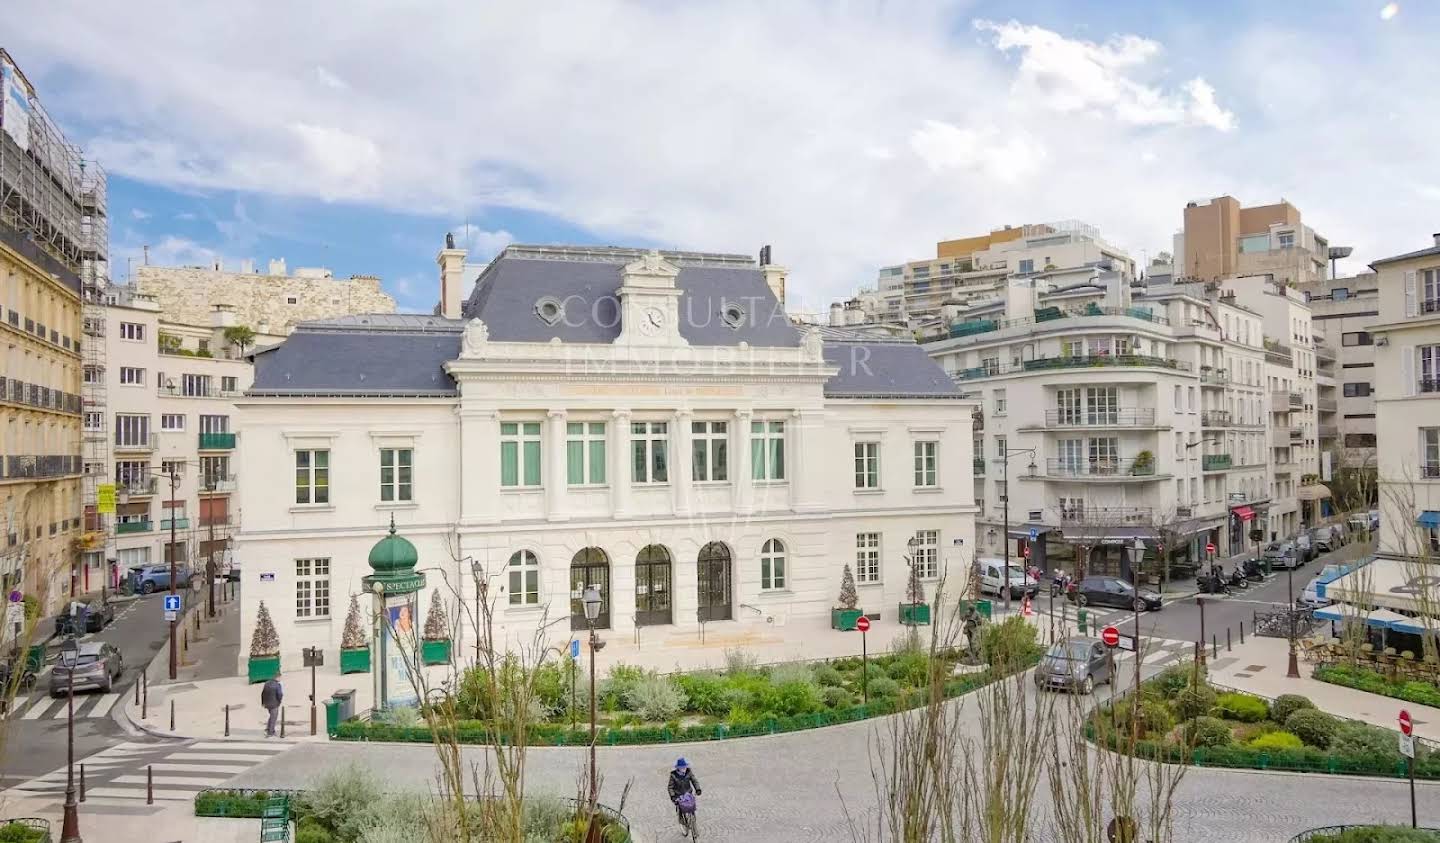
<point x="688" y="821"/>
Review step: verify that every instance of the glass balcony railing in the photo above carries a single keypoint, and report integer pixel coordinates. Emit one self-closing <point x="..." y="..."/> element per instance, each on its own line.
<point x="174" y="523"/>
<point x="1101" y="417"/>
<point x="217" y="441"/>
<point x="133" y="527"/>
<point x="1215" y="462"/>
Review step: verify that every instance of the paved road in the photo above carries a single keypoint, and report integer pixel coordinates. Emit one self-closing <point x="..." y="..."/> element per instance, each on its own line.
<point x="35" y="728"/>
<point x="799" y="787"/>
<point x="180" y="769"/>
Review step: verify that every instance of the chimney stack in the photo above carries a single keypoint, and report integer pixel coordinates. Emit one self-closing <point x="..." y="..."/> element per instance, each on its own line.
<point x="452" y="265"/>
<point x="1436" y="236"/>
<point x="837" y="315"/>
<point x="774" y="275"/>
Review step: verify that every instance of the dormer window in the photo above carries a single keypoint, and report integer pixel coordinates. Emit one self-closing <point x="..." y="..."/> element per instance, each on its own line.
<point x="550" y="310"/>
<point x="732" y="314"/>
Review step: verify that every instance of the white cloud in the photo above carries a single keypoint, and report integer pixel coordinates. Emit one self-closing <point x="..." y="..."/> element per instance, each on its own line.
<point x="330" y="80"/>
<point x="482" y="245"/>
<point x="139" y="214"/>
<point x="848" y="135"/>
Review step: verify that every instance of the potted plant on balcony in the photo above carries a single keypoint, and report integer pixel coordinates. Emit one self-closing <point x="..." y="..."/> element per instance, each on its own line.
<point x="354" y="651"/>
<point x="435" y="646"/>
<point x="844" y="616"/>
<point x="914" y="611"/>
<point x="1144" y="464"/>
<point x="264" y="647"/>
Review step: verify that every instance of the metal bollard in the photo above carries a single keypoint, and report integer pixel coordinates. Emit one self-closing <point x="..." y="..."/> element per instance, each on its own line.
<point x="1242" y="632"/>
<point x="137" y="690"/>
<point x="172" y="715"/>
<point x="227" y="720"/>
<point x="1227" y="639"/>
<point x="149" y="785"/>
<point x="282" y="721"/>
<point x="82" y="782"/>
<point x="144" y="697"/>
<point x="1214" y="646"/>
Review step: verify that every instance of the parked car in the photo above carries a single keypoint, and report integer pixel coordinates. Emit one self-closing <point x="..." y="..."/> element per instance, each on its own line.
<point x="1020" y="582"/>
<point x="97" y="617"/>
<point x="96" y="664"/>
<point x="1074" y="664"/>
<point x="1374" y="521"/>
<point x="1113" y="591"/>
<point x="148" y="579"/>
<point x="1310" y="597"/>
<point x="1282" y="555"/>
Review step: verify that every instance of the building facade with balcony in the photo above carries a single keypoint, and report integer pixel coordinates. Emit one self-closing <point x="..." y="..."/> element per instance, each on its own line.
<point x="1407" y="402"/>
<point x="1127" y="414"/>
<point x="1345" y="309"/>
<point x="650" y="424"/>
<point x="1222" y="239"/>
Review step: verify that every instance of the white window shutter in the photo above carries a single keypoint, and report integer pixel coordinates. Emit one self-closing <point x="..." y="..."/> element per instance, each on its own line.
<point x="1407" y="371"/>
<point x="1410" y="307"/>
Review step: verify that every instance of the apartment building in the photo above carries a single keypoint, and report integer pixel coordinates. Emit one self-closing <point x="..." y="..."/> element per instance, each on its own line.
<point x="1345" y="309"/>
<point x="1407" y="401"/>
<point x="1223" y="239"/>
<point x="971" y="268"/>
<point x="52" y="258"/>
<point x="647" y="423"/>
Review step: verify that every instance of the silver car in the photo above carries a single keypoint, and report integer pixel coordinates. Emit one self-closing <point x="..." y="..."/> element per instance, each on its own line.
<point x="95" y="664"/>
<point x="1074" y="664"/>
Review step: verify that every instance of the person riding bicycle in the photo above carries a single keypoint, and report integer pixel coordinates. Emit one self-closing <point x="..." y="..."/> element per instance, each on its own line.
<point x="682" y="781"/>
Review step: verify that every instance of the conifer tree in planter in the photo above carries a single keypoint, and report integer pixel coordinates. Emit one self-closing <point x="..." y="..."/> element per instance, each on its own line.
<point x="264" y="647"/>
<point x="844" y="616"/>
<point x="435" y="649"/>
<point x="354" y="651"/>
<point x="914" y="610"/>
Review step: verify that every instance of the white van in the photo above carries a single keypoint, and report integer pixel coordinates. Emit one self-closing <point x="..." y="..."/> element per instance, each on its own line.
<point x="991" y="580"/>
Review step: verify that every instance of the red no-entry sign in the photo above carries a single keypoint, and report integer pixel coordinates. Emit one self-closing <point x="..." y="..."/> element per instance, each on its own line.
<point x="1406" y="725"/>
<point x="1210" y="547"/>
<point x="862" y="623"/>
<point x="1110" y="635"/>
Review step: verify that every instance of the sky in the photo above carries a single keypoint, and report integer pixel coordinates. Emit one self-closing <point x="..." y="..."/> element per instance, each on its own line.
<point x="848" y="135"/>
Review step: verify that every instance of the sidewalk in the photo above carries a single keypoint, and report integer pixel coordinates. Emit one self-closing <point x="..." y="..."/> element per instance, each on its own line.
<point x="1259" y="665"/>
<point x="127" y="819"/>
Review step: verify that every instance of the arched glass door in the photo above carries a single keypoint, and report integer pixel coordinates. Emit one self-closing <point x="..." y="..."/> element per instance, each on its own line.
<point x="652" y="586"/>
<point x="713" y="582"/>
<point x="589" y="568"/>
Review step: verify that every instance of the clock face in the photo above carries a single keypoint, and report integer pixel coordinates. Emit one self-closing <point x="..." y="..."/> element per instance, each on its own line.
<point x="652" y="320"/>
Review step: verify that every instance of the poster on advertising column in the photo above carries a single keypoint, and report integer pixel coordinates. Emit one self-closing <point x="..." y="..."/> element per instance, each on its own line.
<point x="402" y="649"/>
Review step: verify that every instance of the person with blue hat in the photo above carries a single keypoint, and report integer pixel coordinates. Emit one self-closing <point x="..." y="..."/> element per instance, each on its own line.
<point x="683" y="783"/>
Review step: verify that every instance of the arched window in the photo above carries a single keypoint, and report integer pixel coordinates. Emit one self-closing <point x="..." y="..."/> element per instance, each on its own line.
<point x="772" y="565"/>
<point x="524" y="578"/>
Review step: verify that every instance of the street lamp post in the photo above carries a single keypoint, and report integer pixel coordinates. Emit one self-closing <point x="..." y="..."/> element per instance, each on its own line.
<point x="174" y="654"/>
<point x="591" y="599"/>
<point x="70" y="828"/>
<point x="477" y="571"/>
<point x="210" y="482"/>
<point x="1005" y="514"/>
<point x="1293" y="669"/>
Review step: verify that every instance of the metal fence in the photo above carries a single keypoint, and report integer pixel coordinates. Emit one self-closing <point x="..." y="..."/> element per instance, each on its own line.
<point x="1332" y="830"/>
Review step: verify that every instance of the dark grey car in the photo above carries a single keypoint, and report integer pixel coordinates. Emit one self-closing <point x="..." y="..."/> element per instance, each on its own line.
<point x="96" y="665"/>
<point x="1074" y="664"/>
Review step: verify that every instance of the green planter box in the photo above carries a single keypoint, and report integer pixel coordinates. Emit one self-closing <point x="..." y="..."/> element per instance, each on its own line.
<point x="435" y="652"/>
<point x="355" y="661"/>
<point x="844" y="619"/>
<point x="915" y="614"/>
<point x="264" y="668"/>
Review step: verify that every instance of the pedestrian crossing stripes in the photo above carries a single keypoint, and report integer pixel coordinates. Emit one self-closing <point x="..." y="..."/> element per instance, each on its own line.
<point x="41" y="706"/>
<point x="177" y="770"/>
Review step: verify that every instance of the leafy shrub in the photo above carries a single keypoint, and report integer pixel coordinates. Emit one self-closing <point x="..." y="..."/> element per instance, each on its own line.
<point x="873" y="674"/>
<point x="829" y="676"/>
<point x="341" y="800"/>
<point x="1246" y="708"/>
<point x="1176" y="678"/>
<point x="1277" y="740"/>
<point x="739" y="660"/>
<point x="883" y="687"/>
<point x="706" y="693"/>
<point x="1193" y="701"/>
<point x="786" y="673"/>
<point x="542" y="815"/>
<point x="1154" y="717"/>
<point x="655" y="697"/>
<point x="737" y="699"/>
<point x="17" y="833"/>
<point x="1247" y="732"/>
<point x="791" y="698"/>
<point x="1364" y="740"/>
<point x="1008" y="643"/>
<point x="403" y="716"/>
<point x="1315" y="728"/>
<point x="1379" y="834"/>
<point x="907" y="642"/>
<point x="309" y="830"/>
<point x="1207" y="731"/>
<point x="837" y="697"/>
<point x="912" y="668"/>
<point x="616" y="685"/>
<point x="1286" y="705"/>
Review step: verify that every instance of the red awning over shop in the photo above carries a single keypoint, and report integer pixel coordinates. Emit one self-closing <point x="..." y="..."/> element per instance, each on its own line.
<point x="1244" y="513"/>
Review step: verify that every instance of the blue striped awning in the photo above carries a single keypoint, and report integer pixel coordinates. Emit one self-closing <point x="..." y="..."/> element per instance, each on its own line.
<point x="1429" y="518"/>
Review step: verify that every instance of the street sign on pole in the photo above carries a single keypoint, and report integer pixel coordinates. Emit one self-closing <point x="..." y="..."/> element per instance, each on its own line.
<point x="172" y="603"/>
<point x="1210" y="548"/>
<point x="1110" y="635"/>
<point x="575" y="648"/>
<point x="1407" y="746"/>
<point x="1407" y="749"/>
<point x="171" y="616"/>
<point x="862" y="623"/>
<point x="1407" y="726"/>
<point x="1034" y="533"/>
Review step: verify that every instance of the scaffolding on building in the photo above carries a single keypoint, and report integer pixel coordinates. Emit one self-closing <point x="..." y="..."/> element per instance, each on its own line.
<point x="53" y="210"/>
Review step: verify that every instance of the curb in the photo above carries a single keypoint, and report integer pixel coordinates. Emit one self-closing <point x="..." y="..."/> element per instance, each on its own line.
<point x="141" y="727"/>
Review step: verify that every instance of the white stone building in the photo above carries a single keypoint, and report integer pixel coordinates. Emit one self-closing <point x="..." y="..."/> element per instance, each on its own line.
<point x="648" y="423"/>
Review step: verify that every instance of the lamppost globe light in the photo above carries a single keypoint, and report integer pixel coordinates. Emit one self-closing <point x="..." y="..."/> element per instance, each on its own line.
<point x="591" y="599"/>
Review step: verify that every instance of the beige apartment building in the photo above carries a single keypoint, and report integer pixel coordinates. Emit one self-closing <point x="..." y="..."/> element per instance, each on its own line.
<point x="1407" y="401"/>
<point x="1223" y="239"/>
<point x="1345" y="309"/>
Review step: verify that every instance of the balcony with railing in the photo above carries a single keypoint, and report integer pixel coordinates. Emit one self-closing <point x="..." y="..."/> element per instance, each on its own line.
<point x="40" y="466"/>
<point x="124" y="527"/>
<point x="196" y="392"/>
<point x="1280" y="437"/>
<point x="1430" y="471"/>
<point x="1296" y="435"/>
<point x="138" y="486"/>
<point x="217" y="441"/>
<point x="979" y="466"/>
<point x="175" y="523"/>
<point x="1214" y="377"/>
<point x="1105" y="515"/>
<point x="1121" y="470"/>
<point x="217" y="484"/>
<point x="221" y="520"/>
<point x="973" y="327"/>
<point x="1329" y="431"/>
<point x="1096" y="417"/>
<point x="1326" y="405"/>
<point x="1215" y="462"/>
<point x="1324" y="353"/>
<point x="1283" y="401"/>
<point x="1428" y="385"/>
<point x="1427" y="307"/>
<point x="1215" y="418"/>
<point x="134" y="441"/>
<point x="1086" y="361"/>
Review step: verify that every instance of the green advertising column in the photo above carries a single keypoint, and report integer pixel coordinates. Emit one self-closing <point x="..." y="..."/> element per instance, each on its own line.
<point x="394" y="582"/>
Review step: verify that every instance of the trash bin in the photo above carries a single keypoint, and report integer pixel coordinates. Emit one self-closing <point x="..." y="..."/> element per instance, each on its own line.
<point x="982" y="606"/>
<point x="1081" y="616"/>
<point x="35" y="657"/>
<point x="332" y="715"/>
<point x="345" y="699"/>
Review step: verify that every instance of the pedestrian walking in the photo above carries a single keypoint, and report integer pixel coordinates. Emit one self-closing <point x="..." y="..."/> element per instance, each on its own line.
<point x="271" y="695"/>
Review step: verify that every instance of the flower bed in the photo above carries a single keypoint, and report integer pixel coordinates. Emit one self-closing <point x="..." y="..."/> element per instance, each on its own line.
<point x="1368" y="834"/>
<point x="1364" y="679"/>
<point x="1180" y="723"/>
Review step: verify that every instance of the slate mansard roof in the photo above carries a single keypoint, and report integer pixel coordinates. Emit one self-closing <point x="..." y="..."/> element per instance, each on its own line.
<point x="403" y="355"/>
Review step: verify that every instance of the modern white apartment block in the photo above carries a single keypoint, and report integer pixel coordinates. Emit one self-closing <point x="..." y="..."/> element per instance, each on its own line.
<point x="1129" y="413"/>
<point x="651" y="424"/>
<point x="1345" y="309"/>
<point x="1407" y="402"/>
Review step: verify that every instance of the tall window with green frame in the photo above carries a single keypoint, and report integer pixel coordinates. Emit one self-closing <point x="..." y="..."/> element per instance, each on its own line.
<point x="520" y="454"/>
<point x="396" y="475"/>
<point x="312" y="476"/>
<point x="585" y="453"/>
<point x="767" y="450"/>
<point x="649" y="443"/>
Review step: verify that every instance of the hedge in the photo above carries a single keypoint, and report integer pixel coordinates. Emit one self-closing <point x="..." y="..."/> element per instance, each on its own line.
<point x="554" y="734"/>
<point x="235" y="804"/>
<point x="1362" y="679"/>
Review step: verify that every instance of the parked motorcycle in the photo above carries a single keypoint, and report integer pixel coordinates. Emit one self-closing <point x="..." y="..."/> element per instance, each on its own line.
<point x="1254" y="570"/>
<point x="1212" y="583"/>
<point x="1237" y="578"/>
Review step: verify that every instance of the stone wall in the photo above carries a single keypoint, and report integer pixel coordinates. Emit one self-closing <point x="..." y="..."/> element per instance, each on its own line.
<point x="262" y="302"/>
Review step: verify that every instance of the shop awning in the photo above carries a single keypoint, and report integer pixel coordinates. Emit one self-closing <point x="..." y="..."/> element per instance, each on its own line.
<point x="1313" y="492"/>
<point x="1022" y="531"/>
<point x="1378" y="618"/>
<point x="1244" y="513"/>
<point x="1429" y="518"/>
<point x="1405" y="584"/>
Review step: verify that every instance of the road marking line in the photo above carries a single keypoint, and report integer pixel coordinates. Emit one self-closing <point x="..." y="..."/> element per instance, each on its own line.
<point x="17" y="704"/>
<point x="138" y="793"/>
<point x="38" y="709"/>
<point x="187" y="781"/>
<point x="103" y="705"/>
<point x="225" y="746"/>
<point x="216" y="756"/>
<point x="230" y="769"/>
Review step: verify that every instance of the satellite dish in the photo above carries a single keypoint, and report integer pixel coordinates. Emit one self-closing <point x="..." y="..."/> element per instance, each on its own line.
<point x="1338" y="252"/>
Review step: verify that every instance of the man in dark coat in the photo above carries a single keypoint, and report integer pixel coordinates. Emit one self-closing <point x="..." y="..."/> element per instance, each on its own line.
<point x="271" y="695"/>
